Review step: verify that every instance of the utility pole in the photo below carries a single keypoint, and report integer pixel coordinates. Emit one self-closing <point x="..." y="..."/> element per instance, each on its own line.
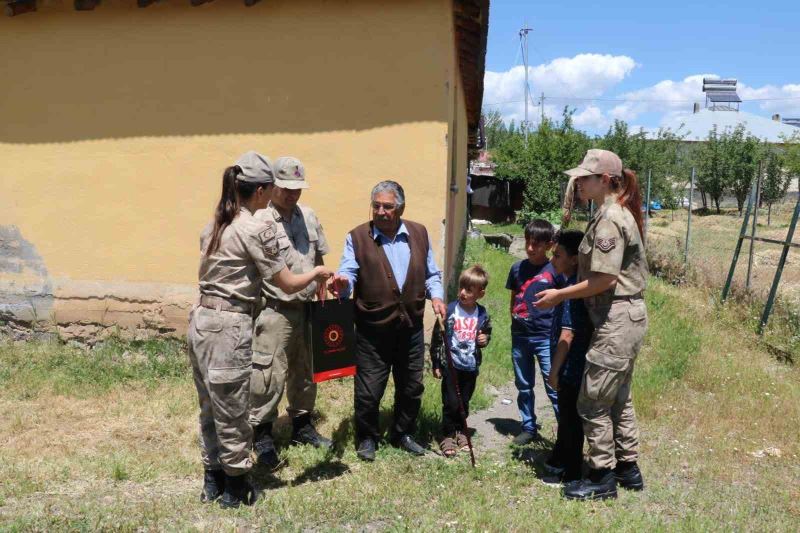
<point x="523" y="43"/>
<point x="541" y="107"/>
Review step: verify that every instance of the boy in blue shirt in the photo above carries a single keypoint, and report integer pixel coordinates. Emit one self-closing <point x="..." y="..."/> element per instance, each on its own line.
<point x="469" y="329"/>
<point x="530" y="327"/>
<point x="572" y="331"/>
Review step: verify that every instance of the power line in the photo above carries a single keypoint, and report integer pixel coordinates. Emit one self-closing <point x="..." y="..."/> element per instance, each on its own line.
<point x="637" y="100"/>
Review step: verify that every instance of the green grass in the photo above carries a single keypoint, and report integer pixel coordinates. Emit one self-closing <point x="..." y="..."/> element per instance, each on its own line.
<point x="510" y="228"/>
<point x="672" y="339"/>
<point x="123" y="456"/>
<point x="26" y="369"/>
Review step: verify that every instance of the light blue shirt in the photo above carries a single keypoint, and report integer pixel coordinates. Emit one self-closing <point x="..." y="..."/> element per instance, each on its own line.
<point x="399" y="254"/>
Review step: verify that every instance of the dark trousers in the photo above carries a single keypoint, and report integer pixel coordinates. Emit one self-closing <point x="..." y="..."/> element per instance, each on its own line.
<point x="568" y="449"/>
<point x="379" y="352"/>
<point x="451" y="414"/>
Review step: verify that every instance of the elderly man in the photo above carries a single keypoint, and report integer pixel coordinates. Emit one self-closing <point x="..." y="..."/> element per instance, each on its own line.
<point x="280" y="354"/>
<point x="388" y="264"/>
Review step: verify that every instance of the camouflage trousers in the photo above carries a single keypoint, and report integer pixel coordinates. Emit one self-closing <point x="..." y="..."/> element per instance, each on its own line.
<point x="604" y="401"/>
<point x="281" y="360"/>
<point x="221" y="357"/>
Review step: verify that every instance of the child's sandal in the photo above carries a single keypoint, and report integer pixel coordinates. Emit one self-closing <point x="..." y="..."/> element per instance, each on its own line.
<point x="461" y="442"/>
<point x="448" y="447"/>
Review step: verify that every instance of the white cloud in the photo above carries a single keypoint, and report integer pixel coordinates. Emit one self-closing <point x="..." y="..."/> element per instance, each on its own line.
<point x="666" y="97"/>
<point x="587" y="76"/>
<point x="591" y="117"/>
<point x="786" y="98"/>
<point x="672" y="98"/>
<point x="581" y="76"/>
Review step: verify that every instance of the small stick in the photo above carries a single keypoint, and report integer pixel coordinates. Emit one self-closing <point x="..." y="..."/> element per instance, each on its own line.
<point x="452" y="372"/>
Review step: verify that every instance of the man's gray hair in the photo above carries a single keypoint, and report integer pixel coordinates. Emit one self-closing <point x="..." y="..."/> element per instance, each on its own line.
<point x="393" y="187"/>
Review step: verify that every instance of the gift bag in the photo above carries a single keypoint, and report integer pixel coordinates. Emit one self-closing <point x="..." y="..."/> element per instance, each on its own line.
<point x="332" y="339"/>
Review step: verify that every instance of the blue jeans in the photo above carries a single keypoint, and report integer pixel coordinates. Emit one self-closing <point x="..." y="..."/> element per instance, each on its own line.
<point x="524" y="350"/>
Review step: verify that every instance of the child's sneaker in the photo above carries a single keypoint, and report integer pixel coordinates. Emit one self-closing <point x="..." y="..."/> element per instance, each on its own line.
<point x="462" y="442"/>
<point x="448" y="447"/>
<point x="524" y="438"/>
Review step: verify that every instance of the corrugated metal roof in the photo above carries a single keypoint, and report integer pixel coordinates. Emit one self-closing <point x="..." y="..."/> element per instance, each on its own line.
<point x="699" y="124"/>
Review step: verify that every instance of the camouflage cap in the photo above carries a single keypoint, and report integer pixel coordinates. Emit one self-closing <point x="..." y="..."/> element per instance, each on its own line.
<point x="290" y="173"/>
<point x="597" y="162"/>
<point x="256" y="168"/>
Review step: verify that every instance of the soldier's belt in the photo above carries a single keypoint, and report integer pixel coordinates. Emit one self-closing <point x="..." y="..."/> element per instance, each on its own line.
<point x="638" y="296"/>
<point x="226" y="304"/>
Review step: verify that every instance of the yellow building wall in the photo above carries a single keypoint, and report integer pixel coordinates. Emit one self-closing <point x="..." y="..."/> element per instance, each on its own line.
<point x="117" y="123"/>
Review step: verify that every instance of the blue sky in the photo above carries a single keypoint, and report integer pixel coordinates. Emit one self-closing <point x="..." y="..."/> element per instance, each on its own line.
<point x="643" y="50"/>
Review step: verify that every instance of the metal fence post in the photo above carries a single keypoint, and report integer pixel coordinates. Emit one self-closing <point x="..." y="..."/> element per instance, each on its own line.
<point x="738" y="248"/>
<point x="773" y="291"/>
<point x="689" y="222"/>
<point x="753" y="232"/>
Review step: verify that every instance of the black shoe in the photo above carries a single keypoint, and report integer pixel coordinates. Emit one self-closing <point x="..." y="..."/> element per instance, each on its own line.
<point x="600" y="485"/>
<point x="554" y="466"/>
<point x="265" y="446"/>
<point x="629" y="476"/>
<point x="238" y="491"/>
<point x="405" y="442"/>
<point x="213" y="485"/>
<point x="525" y="437"/>
<point x="304" y="432"/>
<point x="366" y="450"/>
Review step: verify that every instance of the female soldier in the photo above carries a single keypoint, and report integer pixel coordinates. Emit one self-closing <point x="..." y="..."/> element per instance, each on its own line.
<point x="612" y="273"/>
<point x="237" y="252"/>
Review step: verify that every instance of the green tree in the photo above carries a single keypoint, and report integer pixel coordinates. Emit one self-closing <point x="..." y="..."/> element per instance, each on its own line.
<point x="711" y="165"/>
<point x="495" y="129"/>
<point x="791" y="156"/>
<point x="742" y="156"/>
<point x="659" y="155"/>
<point x="775" y="181"/>
<point x="540" y="162"/>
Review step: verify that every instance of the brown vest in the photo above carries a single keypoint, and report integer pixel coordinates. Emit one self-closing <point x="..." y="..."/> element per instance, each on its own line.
<point x="379" y="301"/>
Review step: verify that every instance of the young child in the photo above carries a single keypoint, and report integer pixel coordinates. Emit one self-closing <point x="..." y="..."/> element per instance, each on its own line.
<point x="572" y="330"/>
<point x="468" y="328"/>
<point x="530" y="327"/>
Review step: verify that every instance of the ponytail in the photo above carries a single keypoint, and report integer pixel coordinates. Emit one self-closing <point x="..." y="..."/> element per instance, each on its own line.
<point x="227" y="208"/>
<point x="629" y="196"/>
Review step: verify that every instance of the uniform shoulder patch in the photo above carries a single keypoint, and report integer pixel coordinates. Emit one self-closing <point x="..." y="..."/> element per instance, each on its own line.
<point x="267" y="238"/>
<point x="606" y="245"/>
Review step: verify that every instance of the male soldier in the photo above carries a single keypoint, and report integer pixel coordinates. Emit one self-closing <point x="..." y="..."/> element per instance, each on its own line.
<point x="279" y="347"/>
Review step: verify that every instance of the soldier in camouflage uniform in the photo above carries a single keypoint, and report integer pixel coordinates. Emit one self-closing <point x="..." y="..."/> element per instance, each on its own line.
<point x="281" y="357"/>
<point x="612" y="275"/>
<point x="237" y="253"/>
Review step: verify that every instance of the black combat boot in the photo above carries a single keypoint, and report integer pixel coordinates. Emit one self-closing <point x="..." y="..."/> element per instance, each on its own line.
<point x="213" y="485"/>
<point x="265" y="446"/>
<point x="304" y="432"/>
<point x="238" y="491"/>
<point x="629" y="476"/>
<point x="600" y="485"/>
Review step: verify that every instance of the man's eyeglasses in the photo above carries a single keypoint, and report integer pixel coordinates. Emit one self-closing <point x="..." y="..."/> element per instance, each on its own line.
<point x="376" y="206"/>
